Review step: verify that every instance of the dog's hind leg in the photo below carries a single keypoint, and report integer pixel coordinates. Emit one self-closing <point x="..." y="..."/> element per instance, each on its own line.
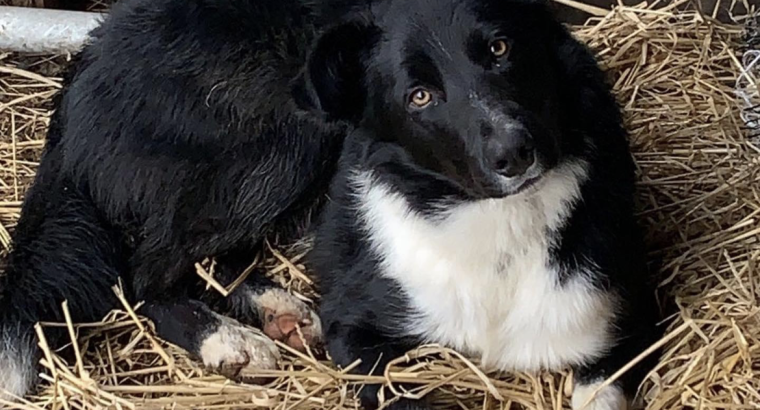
<point x="222" y="344"/>
<point x="166" y="286"/>
<point x="63" y="251"/>
<point x="163" y="278"/>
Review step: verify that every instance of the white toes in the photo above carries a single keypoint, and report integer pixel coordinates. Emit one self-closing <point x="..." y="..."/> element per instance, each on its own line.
<point x="280" y="300"/>
<point x="233" y="350"/>
<point x="283" y="314"/>
<point x="608" y="398"/>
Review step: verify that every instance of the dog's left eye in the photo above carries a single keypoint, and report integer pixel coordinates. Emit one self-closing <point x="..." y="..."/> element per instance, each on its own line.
<point x="421" y="98"/>
<point x="499" y="48"/>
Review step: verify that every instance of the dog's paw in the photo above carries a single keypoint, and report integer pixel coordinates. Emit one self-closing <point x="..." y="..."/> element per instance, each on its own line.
<point x="236" y="351"/>
<point x="282" y="315"/>
<point x="608" y="398"/>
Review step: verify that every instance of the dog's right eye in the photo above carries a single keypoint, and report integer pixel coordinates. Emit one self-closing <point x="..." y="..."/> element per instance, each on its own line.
<point x="420" y="98"/>
<point x="499" y="48"/>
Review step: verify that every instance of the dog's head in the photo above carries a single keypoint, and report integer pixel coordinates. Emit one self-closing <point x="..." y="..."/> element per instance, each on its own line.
<point x="489" y="94"/>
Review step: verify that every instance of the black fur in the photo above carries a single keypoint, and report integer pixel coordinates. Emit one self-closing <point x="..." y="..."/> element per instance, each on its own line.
<point x="192" y="128"/>
<point x="176" y="138"/>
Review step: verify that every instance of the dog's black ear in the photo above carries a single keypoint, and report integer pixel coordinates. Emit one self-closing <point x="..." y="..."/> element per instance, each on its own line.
<point x="585" y="88"/>
<point x="334" y="79"/>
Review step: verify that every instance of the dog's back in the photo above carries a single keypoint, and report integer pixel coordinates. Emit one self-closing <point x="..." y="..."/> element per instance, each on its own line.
<point x="176" y="137"/>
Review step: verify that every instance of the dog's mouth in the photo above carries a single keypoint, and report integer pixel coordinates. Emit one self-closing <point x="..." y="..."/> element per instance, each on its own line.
<point x="521" y="187"/>
<point x="499" y="186"/>
<point x="480" y="184"/>
<point x="526" y="185"/>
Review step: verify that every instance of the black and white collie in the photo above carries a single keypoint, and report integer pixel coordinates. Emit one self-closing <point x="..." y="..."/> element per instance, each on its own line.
<point x="484" y="201"/>
<point x="480" y="188"/>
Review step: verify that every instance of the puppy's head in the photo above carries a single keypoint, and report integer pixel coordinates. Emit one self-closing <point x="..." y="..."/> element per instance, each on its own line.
<point x="484" y="93"/>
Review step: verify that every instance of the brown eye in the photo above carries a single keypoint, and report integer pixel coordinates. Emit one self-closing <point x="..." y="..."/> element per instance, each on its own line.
<point x="499" y="48"/>
<point x="421" y="98"/>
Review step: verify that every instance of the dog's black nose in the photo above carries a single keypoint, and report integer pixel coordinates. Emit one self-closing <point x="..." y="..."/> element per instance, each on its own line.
<point x="511" y="154"/>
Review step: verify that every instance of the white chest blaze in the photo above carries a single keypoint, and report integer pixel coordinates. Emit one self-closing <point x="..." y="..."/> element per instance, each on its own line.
<point x="480" y="279"/>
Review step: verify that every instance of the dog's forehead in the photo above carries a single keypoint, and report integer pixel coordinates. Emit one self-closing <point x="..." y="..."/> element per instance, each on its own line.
<point x="437" y="26"/>
<point x="420" y="16"/>
<point x="446" y="11"/>
<point x="445" y="24"/>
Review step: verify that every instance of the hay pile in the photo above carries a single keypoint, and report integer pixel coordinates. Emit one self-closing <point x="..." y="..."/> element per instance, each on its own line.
<point x="700" y="199"/>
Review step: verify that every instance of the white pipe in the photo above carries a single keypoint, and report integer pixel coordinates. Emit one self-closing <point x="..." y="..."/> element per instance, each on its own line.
<point x="35" y="30"/>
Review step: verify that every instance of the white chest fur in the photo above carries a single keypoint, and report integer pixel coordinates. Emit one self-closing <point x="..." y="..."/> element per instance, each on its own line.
<point x="481" y="281"/>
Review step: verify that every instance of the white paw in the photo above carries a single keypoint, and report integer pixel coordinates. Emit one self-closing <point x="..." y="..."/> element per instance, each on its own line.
<point x="235" y="350"/>
<point x="282" y="315"/>
<point x="609" y="398"/>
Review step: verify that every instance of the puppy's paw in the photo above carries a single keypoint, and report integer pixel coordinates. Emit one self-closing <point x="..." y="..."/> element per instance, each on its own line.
<point x="235" y="351"/>
<point x="282" y="315"/>
<point x="609" y="398"/>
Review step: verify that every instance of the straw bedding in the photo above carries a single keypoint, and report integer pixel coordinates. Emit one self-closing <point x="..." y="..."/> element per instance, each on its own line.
<point x="674" y="73"/>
